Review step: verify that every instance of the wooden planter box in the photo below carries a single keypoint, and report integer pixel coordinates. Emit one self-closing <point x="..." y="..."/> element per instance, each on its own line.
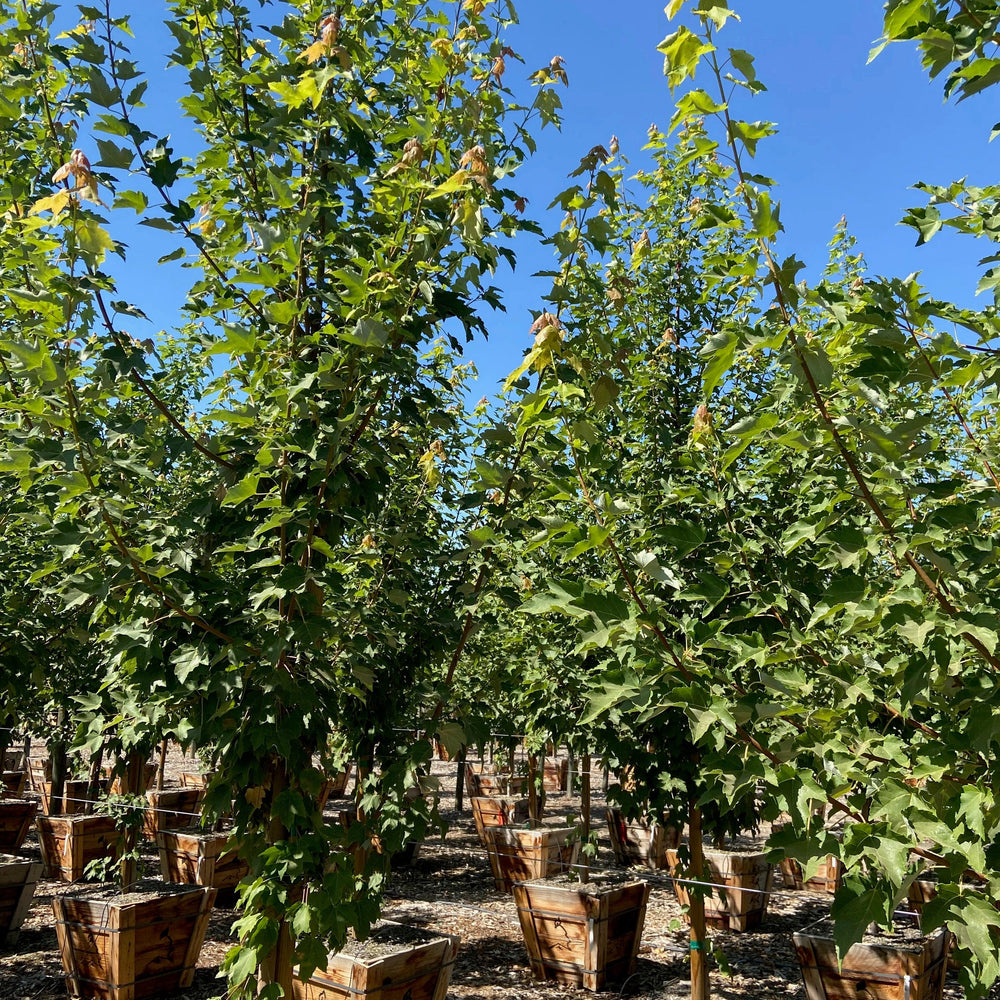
<point x="555" y="775"/>
<point x="70" y="843"/>
<point x="415" y="971"/>
<point x="195" y="779"/>
<point x="582" y="934"/>
<point x="16" y="817"/>
<point x="827" y="879"/>
<point x="76" y="796"/>
<point x="911" y="972"/>
<point x="148" y="774"/>
<point x="171" y="808"/>
<point x="144" y="944"/>
<point x="642" y="841"/>
<point x="741" y="906"/>
<point x="336" y="787"/>
<point x="522" y="855"/>
<point x="481" y="783"/>
<point x="200" y="857"/>
<point x="488" y="812"/>
<point x="13" y="782"/>
<point x="17" y="885"/>
<point x="39" y="772"/>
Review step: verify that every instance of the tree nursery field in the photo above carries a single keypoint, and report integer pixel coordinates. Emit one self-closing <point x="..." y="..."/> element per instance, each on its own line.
<point x="313" y="667"/>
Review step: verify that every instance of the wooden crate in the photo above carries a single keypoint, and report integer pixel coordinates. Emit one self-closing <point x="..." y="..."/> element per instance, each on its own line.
<point x="642" y="841"/>
<point x="148" y="774"/>
<point x="18" y="878"/>
<point x="69" y="843"/>
<point x="479" y="782"/>
<point x="76" y="796"/>
<point x="555" y="775"/>
<point x="200" y="857"/>
<point x="336" y="787"/>
<point x="16" y="817"/>
<point x="117" y="949"/>
<point x="828" y="877"/>
<point x="488" y="811"/>
<point x="171" y="808"/>
<point x="195" y="779"/>
<point x="872" y="971"/>
<point x="415" y="972"/>
<point x="13" y="782"/>
<point x="522" y="855"/>
<point x="582" y="935"/>
<point x="742" y="904"/>
<point x="39" y="772"/>
<point x="12" y="760"/>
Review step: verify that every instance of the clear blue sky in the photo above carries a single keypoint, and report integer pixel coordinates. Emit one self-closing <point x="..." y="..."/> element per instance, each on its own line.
<point x="852" y="137"/>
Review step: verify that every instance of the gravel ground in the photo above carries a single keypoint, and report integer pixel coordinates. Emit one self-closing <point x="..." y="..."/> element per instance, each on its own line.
<point x="449" y="888"/>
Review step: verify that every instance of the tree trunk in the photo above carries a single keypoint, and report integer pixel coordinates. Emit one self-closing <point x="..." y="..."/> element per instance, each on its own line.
<point x="534" y="806"/>
<point x="131" y="783"/>
<point x="700" y="987"/>
<point x="276" y="967"/>
<point x="162" y="767"/>
<point x="57" y="785"/>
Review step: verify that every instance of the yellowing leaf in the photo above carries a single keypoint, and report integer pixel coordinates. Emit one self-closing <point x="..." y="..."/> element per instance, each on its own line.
<point x="93" y="240"/>
<point x="55" y="203"/>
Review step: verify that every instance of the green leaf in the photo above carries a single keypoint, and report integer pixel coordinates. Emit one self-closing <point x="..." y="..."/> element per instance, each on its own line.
<point x="243" y="490"/>
<point x="367" y="332"/>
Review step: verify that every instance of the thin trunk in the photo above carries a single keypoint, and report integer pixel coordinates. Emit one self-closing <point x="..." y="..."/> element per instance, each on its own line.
<point x="534" y="810"/>
<point x="57" y="774"/>
<point x="162" y="767"/>
<point x="460" y="780"/>
<point x="700" y="987"/>
<point x="570" y="770"/>
<point x="94" y="778"/>
<point x="131" y="782"/>
<point x="276" y="967"/>
<point x="585" y="814"/>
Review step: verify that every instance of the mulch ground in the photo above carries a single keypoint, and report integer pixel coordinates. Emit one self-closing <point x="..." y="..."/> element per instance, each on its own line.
<point x="449" y="888"/>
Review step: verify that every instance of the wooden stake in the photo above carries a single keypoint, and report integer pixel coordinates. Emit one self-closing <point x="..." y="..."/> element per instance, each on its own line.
<point x="585" y="813"/>
<point x="700" y="986"/>
<point x="460" y="780"/>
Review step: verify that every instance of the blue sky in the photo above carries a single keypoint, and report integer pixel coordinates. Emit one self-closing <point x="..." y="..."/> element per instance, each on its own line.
<point x="852" y="137"/>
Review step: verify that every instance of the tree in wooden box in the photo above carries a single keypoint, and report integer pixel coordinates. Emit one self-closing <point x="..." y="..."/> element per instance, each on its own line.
<point x="582" y="933"/>
<point x="396" y="962"/>
<point x="519" y="855"/>
<point x="130" y="945"/>
<point x="18" y="877"/>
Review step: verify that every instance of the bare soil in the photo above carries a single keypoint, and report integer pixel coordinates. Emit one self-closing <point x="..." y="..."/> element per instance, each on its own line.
<point x="449" y="889"/>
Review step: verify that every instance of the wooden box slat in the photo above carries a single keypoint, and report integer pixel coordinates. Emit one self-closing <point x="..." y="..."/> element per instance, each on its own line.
<point x="522" y="855"/>
<point x="828" y="877"/>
